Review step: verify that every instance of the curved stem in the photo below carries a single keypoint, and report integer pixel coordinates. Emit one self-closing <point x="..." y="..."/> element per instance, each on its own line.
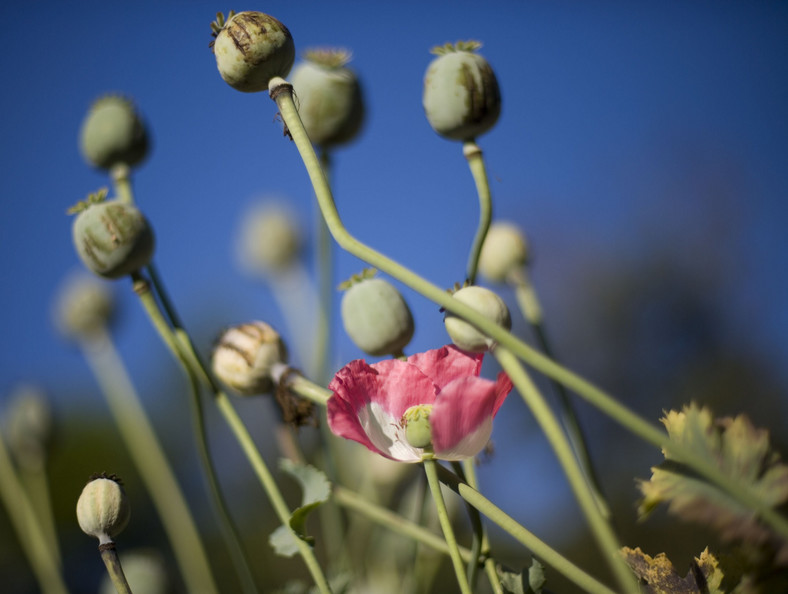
<point x="184" y="350"/>
<point x="473" y="154"/>
<point x="537" y="547"/>
<point x="112" y="562"/>
<point x="324" y="258"/>
<point x="600" y="528"/>
<point x="26" y="524"/>
<point x="151" y="462"/>
<point x="281" y="92"/>
<point x="443" y="517"/>
<point x="227" y="526"/>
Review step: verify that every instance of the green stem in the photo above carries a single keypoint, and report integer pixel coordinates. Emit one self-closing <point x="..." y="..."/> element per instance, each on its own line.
<point x="183" y="349"/>
<point x="112" y="562"/>
<point x="532" y="311"/>
<point x="443" y="517"/>
<point x="600" y="528"/>
<point x="281" y="92"/>
<point x="473" y="155"/>
<point x="468" y="474"/>
<point x="537" y="547"/>
<point x="151" y="462"/>
<point x="36" y="483"/>
<point x="227" y="526"/>
<point x="325" y="274"/>
<point x="121" y="177"/>
<point x="28" y="528"/>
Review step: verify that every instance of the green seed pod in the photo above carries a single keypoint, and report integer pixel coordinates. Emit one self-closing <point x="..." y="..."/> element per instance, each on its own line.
<point x="487" y="303"/>
<point x="112" y="238"/>
<point x="113" y="134"/>
<point x="505" y="250"/>
<point x="102" y="509"/>
<point x="251" y="49"/>
<point x="329" y="97"/>
<point x="29" y="427"/>
<point x="376" y="317"/>
<point x="84" y="306"/>
<point x="416" y="420"/>
<point x="245" y="357"/>
<point x="270" y="241"/>
<point x="461" y="96"/>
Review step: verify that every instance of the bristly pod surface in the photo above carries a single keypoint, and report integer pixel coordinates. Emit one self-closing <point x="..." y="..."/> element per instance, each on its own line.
<point x="461" y="96"/>
<point x="112" y="238"/>
<point x="329" y="96"/>
<point x="376" y="316"/>
<point x="113" y="133"/>
<point x="464" y="335"/>
<point x="251" y="48"/>
<point x="245" y="356"/>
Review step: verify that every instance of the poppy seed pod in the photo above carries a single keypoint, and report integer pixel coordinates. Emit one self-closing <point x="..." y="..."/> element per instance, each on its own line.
<point x="84" y="306"/>
<point x="461" y="96"/>
<point x="487" y="303"/>
<point x="245" y="356"/>
<point x="329" y="97"/>
<point x="376" y="317"/>
<point x="270" y="241"/>
<point x="505" y="250"/>
<point x="113" y="134"/>
<point x="251" y="49"/>
<point x="102" y="509"/>
<point x="112" y="238"/>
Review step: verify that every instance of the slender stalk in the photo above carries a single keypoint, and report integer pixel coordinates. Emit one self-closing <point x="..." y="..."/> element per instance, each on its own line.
<point x="473" y="155"/>
<point x="281" y="92"/>
<point x="537" y="547"/>
<point x="151" y="462"/>
<point x="468" y="474"/>
<point x="227" y="526"/>
<point x="112" y="562"/>
<point x="28" y="528"/>
<point x="184" y="351"/>
<point x="443" y="517"/>
<point x="324" y="257"/>
<point x="600" y="528"/>
<point x="36" y="484"/>
<point x="121" y="177"/>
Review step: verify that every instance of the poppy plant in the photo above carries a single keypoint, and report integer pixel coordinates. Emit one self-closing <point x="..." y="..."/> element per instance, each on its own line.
<point x="433" y="403"/>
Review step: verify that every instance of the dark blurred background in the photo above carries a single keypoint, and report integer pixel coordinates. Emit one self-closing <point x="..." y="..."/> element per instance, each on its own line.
<point x="643" y="150"/>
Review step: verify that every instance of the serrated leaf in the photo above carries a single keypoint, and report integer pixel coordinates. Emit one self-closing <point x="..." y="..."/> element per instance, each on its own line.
<point x="316" y="489"/>
<point x="658" y="576"/>
<point x="742" y="453"/>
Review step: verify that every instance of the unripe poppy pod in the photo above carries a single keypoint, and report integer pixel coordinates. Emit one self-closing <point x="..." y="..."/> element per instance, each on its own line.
<point x="102" y="509"/>
<point x="461" y="96"/>
<point x="245" y="356"/>
<point x="113" y="134"/>
<point x="491" y="306"/>
<point x="251" y="49"/>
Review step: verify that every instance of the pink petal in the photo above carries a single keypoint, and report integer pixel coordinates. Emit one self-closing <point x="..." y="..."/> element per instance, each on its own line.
<point x="462" y="416"/>
<point x="447" y="363"/>
<point x="503" y="385"/>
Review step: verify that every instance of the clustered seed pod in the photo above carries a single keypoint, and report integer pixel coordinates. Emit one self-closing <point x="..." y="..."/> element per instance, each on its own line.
<point x="113" y="134"/>
<point x="245" y="357"/>
<point x="84" y="306"/>
<point x="505" y="250"/>
<point x="251" y="49"/>
<point x="329" y="97"/>
<point x="376" y="317"/>
<point x="102" y="509"/>
<point x="487" y="303"/>
<point x="112" y="238"/>
<point x="461" y="96"/>
<point x="270" y="241"/>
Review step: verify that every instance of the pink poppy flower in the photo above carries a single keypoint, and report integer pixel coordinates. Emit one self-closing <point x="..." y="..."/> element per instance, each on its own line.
<point x="369" y="403"/>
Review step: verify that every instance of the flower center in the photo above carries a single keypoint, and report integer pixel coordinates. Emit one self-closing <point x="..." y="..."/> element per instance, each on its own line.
<point x="416" y="423"/>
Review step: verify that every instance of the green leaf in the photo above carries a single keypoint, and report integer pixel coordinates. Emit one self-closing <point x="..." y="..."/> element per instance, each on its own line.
<point x="530" y="582"/>
<point x="659" y="576"/>
<point x="316" y="490"/>
<point x="741" y="452"/>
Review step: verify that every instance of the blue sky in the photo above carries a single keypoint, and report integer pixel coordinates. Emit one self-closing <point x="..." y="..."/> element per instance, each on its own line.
<point x="616" y="118"/>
